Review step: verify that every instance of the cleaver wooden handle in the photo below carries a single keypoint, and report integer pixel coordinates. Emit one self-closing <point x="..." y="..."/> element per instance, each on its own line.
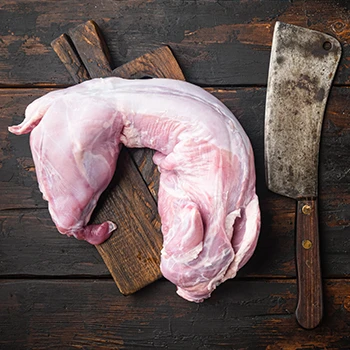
<point x="309" y="309"/>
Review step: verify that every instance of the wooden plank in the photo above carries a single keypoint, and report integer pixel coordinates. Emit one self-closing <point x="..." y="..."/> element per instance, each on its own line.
<point x="132" y="253"/>
<point x="89" y="314"/>
<point x="155" y="64"/>
<point x="18" y="186"/>
<point x="92" y="49"/>
<point x="215" y="42"/>
<point x="274" y="255"/>
<point x="70" y="58"/>
<point x="30" y="245"/>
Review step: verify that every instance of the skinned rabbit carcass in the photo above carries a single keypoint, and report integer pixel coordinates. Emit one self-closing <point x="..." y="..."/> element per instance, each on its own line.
<point x="207" y="201"/>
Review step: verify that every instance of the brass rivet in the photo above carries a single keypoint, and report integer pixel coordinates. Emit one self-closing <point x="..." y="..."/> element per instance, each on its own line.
<point x="306" y="209"/>
<point x="307" y="244"/>
<point x="327" y="45"/>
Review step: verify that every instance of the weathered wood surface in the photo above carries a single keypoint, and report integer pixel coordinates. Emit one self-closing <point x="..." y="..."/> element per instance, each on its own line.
<point x="68" y="55"/>
<point x="215" y="42"/>
<point x="32" y="246"/>
<point x="92" y="49"/>
<point x="90" y="314"/>
<point x="132" y="253"/>
<point x="57" y="293"/>
<point x="274" y="255"/>
<point x="17" y="172"/>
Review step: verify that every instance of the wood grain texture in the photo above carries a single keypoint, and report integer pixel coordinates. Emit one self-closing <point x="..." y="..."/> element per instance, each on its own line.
<point x="90" y="314"/>
<point x="69" y="57"/>
<point x="215" y="42"/>
<point x="309" y="311"/>
<point x="18" y="186"/>
<point x="159" y="63"/>
<point x="30" y="245"/>
<point x="92" y="49"/>
<point x="132" y="253"/>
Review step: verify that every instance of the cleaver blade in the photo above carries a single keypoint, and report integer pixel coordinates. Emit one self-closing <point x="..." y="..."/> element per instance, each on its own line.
<point x="303" y="63"/>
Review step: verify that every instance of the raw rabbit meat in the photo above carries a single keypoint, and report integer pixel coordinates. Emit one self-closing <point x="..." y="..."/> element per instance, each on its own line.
<point x="207" y="201"/>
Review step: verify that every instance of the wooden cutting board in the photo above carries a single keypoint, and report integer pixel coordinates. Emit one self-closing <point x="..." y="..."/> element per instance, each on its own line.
<point x="132" y="253"/>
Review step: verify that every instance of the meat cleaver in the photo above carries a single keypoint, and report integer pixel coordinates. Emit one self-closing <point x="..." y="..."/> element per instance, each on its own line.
<point x="302" y="66"/>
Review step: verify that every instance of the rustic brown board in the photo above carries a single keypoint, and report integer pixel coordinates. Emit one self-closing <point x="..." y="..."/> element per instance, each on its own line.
<point x="21" y="241"/>
<point x="92" y="49"/>
<point x="70" y="58"/>
<point x="88" y="314"/>
<point x="215" y="42"/>
<point x="132" y="253"/>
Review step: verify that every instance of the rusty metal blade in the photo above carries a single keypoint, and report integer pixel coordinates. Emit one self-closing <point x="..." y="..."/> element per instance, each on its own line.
<point x="302" y="66"/>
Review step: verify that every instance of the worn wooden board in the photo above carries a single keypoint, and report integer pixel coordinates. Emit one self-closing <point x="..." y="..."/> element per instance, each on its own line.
<point x="215" y="42"/>
<point x="132" y="253"/>
<point x="87" y="314"/>
<point x="68" y="55"/>
<point x="274" y="255"/>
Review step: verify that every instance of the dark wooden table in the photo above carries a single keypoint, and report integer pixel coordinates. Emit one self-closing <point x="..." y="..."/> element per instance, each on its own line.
<point x="56" y="293"/>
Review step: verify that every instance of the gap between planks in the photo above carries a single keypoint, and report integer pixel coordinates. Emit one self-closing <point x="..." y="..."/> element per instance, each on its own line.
<point x="205" y="86"/>
<point x="109" y="278"/>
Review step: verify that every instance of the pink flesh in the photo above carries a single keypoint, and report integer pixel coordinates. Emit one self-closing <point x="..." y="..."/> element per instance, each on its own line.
<point x="207" y="202"/>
